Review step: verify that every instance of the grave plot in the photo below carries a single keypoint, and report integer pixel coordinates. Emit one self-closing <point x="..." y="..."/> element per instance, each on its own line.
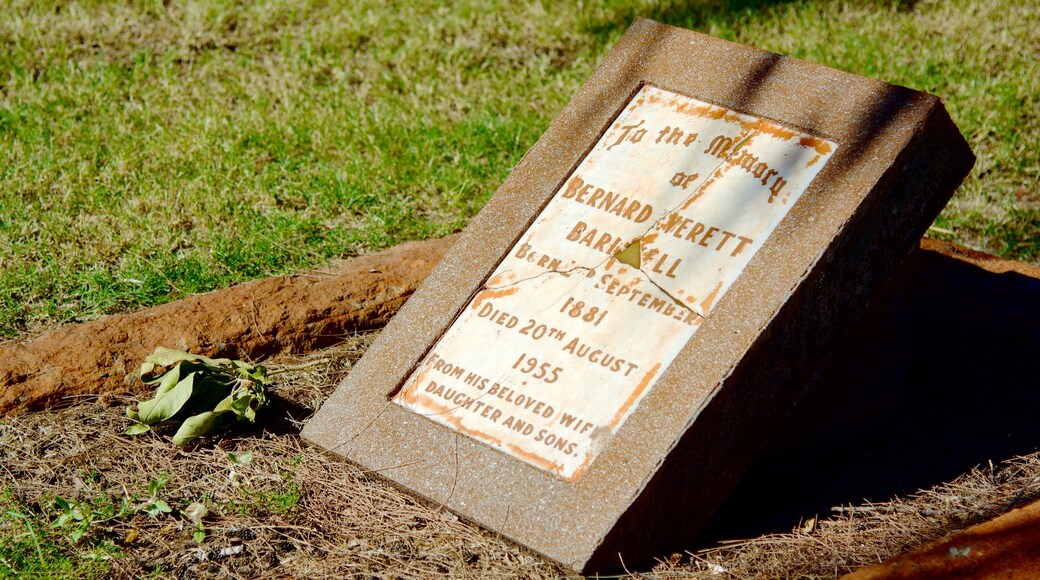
<point x="611" y="342"/>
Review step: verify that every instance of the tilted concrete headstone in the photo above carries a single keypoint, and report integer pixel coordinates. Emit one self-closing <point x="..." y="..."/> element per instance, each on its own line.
<point x="609" y="344"/>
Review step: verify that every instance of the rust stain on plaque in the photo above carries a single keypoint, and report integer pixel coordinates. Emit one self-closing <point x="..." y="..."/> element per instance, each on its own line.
<point x="637" y="393"/>
<point x="491" y="294"/>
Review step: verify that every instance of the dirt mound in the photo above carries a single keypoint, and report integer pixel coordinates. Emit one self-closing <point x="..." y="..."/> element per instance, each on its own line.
<point x="283" y="314"/>
<point x="1004" y="547"/>
<point x="280" y="315"/>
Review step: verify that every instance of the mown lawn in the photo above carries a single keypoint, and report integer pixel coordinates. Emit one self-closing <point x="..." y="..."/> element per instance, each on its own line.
<point x="148" y="151"/>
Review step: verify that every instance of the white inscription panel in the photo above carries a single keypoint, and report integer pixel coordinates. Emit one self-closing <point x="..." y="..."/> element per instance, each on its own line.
<point x="612" y="279"/>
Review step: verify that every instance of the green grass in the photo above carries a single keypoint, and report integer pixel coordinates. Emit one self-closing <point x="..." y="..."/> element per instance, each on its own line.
<point x="33" y="546"/>
<point x="149" y="152"/>
<point x="278" y="495"/>
<point x="80" y="530"/>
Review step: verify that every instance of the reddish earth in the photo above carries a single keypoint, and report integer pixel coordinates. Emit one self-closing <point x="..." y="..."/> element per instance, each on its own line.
<point x="1004" y="547"/>
<point x="987" y="262"/>
<point x="256" y="320"/>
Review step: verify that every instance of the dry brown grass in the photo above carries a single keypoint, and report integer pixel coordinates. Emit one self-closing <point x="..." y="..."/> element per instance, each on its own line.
<point x="854" y="536"/>
<point x="292" y="510"/>
<point x="295" y="511"/>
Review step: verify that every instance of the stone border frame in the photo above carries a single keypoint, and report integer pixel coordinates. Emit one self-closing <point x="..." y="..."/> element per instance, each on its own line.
<point x="899" y="158"/>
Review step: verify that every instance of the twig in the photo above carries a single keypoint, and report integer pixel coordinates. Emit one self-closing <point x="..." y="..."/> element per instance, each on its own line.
<point x="299" y="367"/>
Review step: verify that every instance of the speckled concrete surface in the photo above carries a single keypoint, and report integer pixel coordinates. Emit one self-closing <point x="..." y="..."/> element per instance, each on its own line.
<point x="652" y="489"/>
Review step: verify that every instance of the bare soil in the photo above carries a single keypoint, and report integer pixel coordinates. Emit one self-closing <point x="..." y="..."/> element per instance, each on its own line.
<point x="252" y="321"/>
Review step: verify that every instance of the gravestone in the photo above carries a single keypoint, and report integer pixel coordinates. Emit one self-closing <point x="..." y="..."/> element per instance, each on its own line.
<point x="609" y="344"/>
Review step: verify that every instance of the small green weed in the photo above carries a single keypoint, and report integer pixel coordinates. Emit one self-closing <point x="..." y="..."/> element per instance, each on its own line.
<point x="52" y="540"/>
<point x="282" y="500"/>
<point x="279" y="497"/>
<point x="77" y="536"/>
<point x="154" y="506"/>
<point x="75" y="516"/>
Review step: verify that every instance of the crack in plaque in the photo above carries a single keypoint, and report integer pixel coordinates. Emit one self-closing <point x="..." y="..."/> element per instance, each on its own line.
<point x="669" y="294"/>
<point x="540" y="274"/>
<point x="723" y="166"/>
<point x="631" y="255"/>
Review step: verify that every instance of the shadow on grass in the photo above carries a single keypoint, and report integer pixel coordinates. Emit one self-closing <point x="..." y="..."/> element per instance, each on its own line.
<point x="694" y="14"/>
<point x="940" y="377"/>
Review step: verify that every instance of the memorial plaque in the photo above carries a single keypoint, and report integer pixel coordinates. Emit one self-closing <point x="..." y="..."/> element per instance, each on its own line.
<point x="613" y="278"/>
<point x="610" y="343"/>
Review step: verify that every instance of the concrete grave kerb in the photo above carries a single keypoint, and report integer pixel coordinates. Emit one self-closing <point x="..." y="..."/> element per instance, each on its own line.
<point x="897" y="159"/>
